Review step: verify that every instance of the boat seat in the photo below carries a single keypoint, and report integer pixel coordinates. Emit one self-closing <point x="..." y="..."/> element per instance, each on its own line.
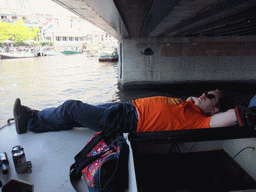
<point x="237" y="93"/>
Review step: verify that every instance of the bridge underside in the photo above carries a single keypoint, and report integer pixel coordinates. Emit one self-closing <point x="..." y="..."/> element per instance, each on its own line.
<point x="174" y="18"/>
<point x="177" y="40"/>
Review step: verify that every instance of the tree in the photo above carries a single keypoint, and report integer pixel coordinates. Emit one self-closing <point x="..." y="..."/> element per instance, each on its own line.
<point x="22" y="33"/>
<point x="4" y="30"/>
<point x="17" y="32"/>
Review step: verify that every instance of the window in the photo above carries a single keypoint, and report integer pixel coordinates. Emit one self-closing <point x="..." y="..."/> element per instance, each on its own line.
<point x="65" y="38"/>
<point x="57" y="38"/>
<point x="71" y="39"/>
<point x="22" y="4"/>
<point x="76" y="39"/>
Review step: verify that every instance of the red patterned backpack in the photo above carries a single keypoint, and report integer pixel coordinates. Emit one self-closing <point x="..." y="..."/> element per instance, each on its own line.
<point x="103" y="162"/>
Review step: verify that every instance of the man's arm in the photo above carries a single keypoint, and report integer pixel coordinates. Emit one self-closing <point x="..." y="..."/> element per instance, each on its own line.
<point x="224" y="119"/>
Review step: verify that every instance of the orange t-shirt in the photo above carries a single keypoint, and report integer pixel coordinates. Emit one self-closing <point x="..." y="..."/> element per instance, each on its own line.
<point x="164" y="113"/>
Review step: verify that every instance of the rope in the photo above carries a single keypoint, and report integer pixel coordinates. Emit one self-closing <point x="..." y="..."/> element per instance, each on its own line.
<point x="242" y="150"/>
<point x="8" y="123"/>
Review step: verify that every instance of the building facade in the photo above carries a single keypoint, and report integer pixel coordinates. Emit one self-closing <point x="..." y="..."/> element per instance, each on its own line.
<point x="59" y="26"/>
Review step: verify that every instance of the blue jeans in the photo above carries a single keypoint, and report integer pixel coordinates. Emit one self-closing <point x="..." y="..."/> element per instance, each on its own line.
<point x="111" y="117"/>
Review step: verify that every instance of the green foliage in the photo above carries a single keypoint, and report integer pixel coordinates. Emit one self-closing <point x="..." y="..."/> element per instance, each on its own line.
<point x="21" y="43"/>
<point x="17" y="32"/>
<point x="4" y="30"/>
<point x="49" y="43"/>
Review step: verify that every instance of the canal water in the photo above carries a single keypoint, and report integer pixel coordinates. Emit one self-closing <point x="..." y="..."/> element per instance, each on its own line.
<point x="43" y="82"/>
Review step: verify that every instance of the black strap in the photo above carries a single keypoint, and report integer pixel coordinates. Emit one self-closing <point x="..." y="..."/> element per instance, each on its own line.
<point x="80" y="157"/>
<point x="81" y="161"/>
<point x="117" y="164"/>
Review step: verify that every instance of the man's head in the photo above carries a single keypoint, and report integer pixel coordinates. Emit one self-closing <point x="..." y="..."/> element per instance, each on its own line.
<point x="209" y="102"/>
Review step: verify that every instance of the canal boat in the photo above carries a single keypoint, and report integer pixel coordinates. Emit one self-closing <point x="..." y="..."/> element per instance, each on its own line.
<point x="52" y="53"/>
<point x="92" y="53"/>
<point x="108" y="55"/>
<point x="104" y="58"/>
<point x="16" y="55"/>
<point x="68" y="52"/>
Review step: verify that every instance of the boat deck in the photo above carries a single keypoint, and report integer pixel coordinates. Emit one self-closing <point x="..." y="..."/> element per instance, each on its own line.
<point x="51" y="155"/>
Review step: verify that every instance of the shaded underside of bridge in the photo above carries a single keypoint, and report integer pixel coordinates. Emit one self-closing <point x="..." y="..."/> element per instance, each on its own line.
<point x="168" y="18"/>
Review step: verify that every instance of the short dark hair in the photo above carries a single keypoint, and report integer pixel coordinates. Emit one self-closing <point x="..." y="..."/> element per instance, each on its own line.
<point x="222" y="100"/>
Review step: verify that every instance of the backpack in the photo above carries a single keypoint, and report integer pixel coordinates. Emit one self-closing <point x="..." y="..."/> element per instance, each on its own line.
<point x="103" y="162"/>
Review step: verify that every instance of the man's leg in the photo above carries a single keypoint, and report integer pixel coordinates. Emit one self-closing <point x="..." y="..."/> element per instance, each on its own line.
<point x="71" y="113"/>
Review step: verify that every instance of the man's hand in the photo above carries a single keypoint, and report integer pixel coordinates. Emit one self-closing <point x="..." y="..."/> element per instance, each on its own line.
<point x="245" y="117"/>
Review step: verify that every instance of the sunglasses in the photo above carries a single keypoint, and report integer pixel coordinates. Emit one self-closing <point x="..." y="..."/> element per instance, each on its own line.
<point x="209" y="95"/>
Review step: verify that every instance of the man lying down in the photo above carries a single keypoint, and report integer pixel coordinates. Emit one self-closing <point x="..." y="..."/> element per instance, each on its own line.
<point x="158" y="113"/>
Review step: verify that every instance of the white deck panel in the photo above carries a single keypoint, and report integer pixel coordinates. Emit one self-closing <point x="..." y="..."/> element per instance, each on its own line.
<point x="51" y="154"/>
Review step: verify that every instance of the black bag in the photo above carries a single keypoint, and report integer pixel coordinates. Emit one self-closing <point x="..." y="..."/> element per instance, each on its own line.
<point x="103" y="162"/>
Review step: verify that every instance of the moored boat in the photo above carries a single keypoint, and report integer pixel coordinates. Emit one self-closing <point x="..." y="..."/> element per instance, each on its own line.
<point x="108" y="55"/>
<point x="68" y="52"/>
<point x="105" y="57"/>
<point x="52" y="53"/>
<point x="16" y="55"/>
<point x="92" y="53"/>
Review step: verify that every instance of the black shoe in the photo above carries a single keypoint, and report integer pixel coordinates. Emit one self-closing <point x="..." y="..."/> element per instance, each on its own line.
<point x="21" y="115"/>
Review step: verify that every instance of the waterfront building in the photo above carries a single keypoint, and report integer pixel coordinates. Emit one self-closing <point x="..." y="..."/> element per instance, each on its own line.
<point x="58" y="25"/>
<point x="11" y="11"/>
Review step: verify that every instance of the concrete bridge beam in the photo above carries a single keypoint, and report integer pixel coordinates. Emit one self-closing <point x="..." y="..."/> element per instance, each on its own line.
<point x="187" y="59"/>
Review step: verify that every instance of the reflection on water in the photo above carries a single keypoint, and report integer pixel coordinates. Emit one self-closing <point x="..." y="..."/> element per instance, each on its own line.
<point x="49" y="81"/>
